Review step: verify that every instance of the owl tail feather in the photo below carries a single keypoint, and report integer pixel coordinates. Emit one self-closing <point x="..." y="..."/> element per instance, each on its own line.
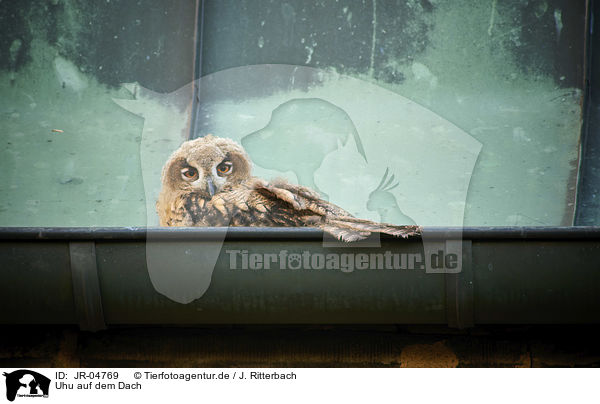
<point x="347" y="228"/>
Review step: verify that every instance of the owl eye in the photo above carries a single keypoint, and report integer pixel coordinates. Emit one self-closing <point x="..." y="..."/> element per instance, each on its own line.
<point x="189" y="173"/>
<point x="225" y="168"/>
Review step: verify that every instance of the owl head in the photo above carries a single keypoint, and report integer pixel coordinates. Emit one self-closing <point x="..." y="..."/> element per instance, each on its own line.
<point x="206" y="166"/>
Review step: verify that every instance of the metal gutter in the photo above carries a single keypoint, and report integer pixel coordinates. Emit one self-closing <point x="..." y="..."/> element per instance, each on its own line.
<point x="100" y="277"/>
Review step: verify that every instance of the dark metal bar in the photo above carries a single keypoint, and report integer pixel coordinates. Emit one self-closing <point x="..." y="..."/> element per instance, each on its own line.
<point x="587" y="210"/>
<point x="460" y="291"/>
<point x="86" y="287"/>
<point x="198" y="47"/>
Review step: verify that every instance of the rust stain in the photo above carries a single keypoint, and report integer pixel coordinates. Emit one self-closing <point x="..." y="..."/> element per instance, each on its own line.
<point x="436" y="355"/>
<point x="524" y="360"/>
<point x="67" y="356"/>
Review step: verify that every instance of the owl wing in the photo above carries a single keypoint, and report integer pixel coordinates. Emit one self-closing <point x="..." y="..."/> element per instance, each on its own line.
<point x="299" y="197"/>
<point x="304" y="207"/>
<point x="260" y="204"/>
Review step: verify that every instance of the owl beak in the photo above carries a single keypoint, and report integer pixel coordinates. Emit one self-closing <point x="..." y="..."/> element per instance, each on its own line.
<point x="210" y="186"/>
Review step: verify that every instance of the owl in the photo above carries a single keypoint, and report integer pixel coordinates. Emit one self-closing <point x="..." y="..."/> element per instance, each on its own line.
<point x="208" y="182"/>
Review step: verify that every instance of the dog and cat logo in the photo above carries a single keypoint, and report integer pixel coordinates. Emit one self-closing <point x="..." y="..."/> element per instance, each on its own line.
<point x="26" y="383"/>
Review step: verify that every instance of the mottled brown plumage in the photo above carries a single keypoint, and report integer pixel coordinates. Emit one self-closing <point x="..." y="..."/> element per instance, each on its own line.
<point x="207" y="182"/>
